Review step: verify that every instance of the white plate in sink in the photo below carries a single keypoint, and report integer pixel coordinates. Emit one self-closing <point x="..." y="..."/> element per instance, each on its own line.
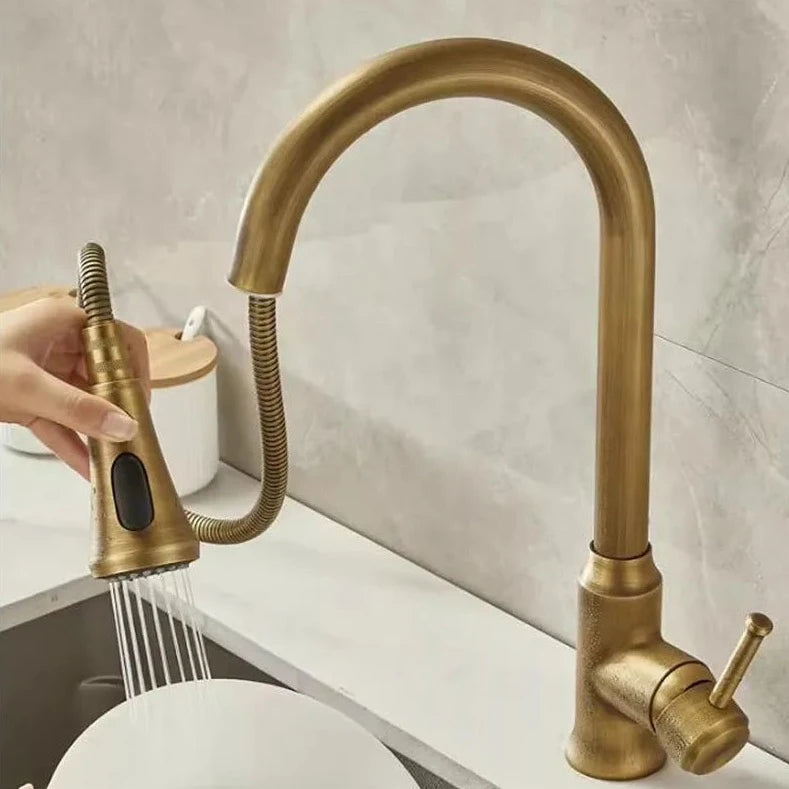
<point x="227" y="734"/>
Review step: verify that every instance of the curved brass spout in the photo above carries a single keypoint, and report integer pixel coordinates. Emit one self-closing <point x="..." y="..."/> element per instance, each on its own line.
<point x="518" y="75"/>
<point x="638" y="697"/>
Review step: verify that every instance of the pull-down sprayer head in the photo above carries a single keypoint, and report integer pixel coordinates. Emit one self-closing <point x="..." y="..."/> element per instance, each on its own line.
<point x="138" y="521"/>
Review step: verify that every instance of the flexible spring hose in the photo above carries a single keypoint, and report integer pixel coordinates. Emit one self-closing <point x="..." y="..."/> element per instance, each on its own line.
<point x="94" y="298"/>
<point x="93" y="291"/>
<point x="273" y="436"/>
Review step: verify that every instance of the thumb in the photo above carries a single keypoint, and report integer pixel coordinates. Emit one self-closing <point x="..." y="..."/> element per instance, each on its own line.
<point x="51" y="398"/>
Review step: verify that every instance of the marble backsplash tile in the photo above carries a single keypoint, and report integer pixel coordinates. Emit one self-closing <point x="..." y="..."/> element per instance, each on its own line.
<point x="438" y="329"/>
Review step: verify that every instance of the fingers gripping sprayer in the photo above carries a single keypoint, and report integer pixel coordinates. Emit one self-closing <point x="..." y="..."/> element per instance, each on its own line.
<point x="143" y="539"/>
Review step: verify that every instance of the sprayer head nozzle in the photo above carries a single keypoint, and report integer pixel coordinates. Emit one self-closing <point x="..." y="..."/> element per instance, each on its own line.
<point x="138" y="521"/>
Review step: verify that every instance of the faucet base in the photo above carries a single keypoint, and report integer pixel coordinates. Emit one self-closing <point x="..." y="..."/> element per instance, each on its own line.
<point x="619" y="607"/>
<point x="622" y="751"/>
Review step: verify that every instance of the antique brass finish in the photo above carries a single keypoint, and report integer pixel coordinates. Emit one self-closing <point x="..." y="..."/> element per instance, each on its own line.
<point x="518" y="75"/>
<point x="169" y="539"/>
<point x="620" y="662"/>
<point x="757" y="628"/>
<point x="674" y="684"/>
<point x="638" y="697"/>
<point x="172" y="537"/>
<point x="701" y="738"/>
<point x="166" y="538"/>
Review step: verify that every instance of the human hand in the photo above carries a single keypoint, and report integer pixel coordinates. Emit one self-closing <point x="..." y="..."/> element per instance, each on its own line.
<point x="43" y="379"/>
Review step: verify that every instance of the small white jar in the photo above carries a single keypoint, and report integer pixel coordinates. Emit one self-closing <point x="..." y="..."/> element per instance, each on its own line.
<point x="183" y="406"/>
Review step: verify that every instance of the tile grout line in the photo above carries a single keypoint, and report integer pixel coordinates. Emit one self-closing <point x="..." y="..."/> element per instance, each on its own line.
<point x="722" y="363"/>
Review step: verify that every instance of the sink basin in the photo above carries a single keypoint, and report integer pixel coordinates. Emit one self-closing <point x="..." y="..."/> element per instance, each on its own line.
<point x="227" y="732"/>
<point x="60" y="672"/>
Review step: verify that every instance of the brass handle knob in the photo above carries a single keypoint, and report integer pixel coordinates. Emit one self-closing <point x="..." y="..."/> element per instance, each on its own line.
<point x="757" y="627"/>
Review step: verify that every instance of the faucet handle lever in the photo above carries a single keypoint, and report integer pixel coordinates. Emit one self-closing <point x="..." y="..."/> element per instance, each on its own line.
<point x="757" y="628"/>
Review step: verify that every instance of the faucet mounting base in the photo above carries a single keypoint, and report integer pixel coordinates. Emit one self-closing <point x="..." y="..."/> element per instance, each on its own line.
<point x="619" y="607"/>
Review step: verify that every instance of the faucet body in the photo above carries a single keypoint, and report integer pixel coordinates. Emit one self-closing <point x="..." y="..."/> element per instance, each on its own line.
<point x="638" y="697"/>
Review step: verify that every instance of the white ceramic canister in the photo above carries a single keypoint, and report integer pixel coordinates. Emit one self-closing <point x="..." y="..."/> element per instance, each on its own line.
<point x="183" y="406"/>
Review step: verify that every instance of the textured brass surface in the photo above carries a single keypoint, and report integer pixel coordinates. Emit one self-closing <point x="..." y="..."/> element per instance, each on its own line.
<point x="169" y="539"/>
<point x="618" y="614"/>
<point x="516" y="74"/>
<point x="273" y="437"/>
<point x="635" y="680"/>
<point x="675" y="683"/>
<point x="637" y="696"/>
<point x="699" y="737"/>
<point x="106" y="359"/>
<point x="757" y="628"/>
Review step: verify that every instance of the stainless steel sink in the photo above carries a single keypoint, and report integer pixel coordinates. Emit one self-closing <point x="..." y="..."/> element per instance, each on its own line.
<point x="60" y="672"/>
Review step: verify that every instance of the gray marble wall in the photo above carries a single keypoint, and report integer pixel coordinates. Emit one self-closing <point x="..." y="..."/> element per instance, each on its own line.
<point x="438" y="328"/>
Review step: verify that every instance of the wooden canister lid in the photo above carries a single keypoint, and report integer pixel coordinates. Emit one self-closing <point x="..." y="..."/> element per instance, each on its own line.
<point x="18" y="298"/>
<point x="175" y="362"/>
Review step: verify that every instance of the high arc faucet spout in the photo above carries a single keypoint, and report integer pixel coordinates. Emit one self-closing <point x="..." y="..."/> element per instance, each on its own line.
<point x="535" y="81"/>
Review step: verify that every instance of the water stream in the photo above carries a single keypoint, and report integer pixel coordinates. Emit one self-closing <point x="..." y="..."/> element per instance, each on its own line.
<point x="145" y="663"/>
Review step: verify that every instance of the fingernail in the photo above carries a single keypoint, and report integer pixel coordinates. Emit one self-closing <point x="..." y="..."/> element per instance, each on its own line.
<point x="118" y="426"/>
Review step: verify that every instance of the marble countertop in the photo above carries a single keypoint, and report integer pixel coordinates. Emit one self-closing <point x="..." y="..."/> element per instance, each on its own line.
<point x="474" y="695"/>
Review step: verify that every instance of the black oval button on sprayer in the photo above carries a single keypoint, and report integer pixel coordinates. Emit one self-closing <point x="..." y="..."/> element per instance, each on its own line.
<point x="130" y="490"/>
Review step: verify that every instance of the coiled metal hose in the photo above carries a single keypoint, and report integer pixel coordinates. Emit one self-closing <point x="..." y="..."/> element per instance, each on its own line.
<point x="94" y="298"/>
<point x="273" y="435"/>
<point x="93" y="290"/>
